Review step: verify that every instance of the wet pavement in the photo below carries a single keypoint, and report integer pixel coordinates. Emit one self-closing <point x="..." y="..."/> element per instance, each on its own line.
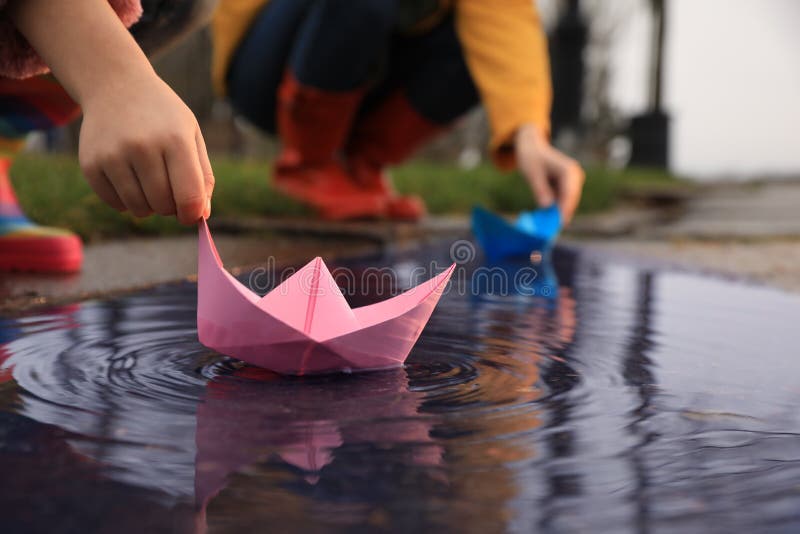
<point x="745" y="230"/>
<point x="600" y="396"/>
<point x="119" y="266"/>
<point x="775" y="262"/>
<point x="115" y="267"/>
<point x="750" y="210"/>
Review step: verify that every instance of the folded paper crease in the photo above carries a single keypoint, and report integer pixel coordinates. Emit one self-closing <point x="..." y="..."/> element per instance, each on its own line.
<point x="305" y="325"/>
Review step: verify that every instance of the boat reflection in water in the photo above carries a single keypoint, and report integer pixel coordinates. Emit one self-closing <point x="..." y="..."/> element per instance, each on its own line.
<point x="253" y="416"/>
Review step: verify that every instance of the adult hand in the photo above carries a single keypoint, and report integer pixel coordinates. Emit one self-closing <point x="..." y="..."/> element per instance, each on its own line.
<point x="552" y="175"/>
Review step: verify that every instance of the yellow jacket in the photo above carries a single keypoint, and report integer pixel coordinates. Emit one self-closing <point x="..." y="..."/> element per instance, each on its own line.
<point x="505" y="49"/>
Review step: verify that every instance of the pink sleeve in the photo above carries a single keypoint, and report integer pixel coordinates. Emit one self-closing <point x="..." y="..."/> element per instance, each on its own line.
<point x="19" y="60"/>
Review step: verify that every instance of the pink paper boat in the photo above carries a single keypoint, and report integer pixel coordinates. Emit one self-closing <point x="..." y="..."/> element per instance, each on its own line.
<point x="249" y="416"/>
<point x="305" y="325"/>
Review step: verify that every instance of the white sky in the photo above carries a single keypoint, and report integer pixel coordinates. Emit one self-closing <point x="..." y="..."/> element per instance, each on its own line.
<point x="732" y="81"/>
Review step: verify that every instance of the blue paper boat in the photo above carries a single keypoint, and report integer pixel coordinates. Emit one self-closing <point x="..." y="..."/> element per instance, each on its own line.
<point x="533" y="231"/>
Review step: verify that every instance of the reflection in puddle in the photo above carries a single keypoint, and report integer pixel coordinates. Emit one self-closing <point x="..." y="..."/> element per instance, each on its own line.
<point x="599" y="397"/>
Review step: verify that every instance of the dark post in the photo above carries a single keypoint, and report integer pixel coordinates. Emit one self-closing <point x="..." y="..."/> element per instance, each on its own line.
<point x="649" y="132"/>
<point x="657" y="55"/>
<point x="567" y="66"/>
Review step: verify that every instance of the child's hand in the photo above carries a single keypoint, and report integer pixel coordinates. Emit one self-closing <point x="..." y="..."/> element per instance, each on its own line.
<point x="553" y="176"/>
<point x="140" y="146"/>
<point x="141" y="150"/>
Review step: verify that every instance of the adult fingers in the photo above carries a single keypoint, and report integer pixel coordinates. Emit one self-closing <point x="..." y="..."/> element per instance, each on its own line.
<point x="186" y="179"/>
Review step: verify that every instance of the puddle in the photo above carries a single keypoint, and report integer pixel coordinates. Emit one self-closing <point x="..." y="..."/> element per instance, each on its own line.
<point x="622" y="399"/>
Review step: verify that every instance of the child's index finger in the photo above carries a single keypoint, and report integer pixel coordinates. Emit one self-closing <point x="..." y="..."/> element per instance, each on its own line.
<point x="186" y="179"/>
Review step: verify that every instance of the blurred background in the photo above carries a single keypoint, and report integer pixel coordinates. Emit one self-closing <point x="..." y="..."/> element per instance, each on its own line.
<point x="682" y="112"/>
<point x="707" y="89"/>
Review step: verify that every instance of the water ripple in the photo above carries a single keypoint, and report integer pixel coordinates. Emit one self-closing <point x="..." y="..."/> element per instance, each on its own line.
<point x="625" y="398"/>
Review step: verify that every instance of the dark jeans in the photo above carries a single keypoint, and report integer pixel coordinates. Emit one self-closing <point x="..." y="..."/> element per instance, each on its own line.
<point x="341" y="45"/>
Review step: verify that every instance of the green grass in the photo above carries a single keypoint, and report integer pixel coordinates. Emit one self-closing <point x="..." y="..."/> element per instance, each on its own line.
<point x="448" y="189"/>
<point x="53" y="192"/>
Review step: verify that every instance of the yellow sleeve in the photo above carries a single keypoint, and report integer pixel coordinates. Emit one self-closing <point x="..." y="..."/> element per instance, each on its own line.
<point x="506" y="52"/>
<point x="229" y="25"/>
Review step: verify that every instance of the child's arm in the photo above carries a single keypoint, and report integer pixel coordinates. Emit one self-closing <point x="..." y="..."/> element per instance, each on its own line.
<point x="140" y="146"/>
<point x="506" y="51"/>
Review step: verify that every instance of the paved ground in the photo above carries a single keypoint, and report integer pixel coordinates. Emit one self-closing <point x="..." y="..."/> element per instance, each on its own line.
<point x="121" y="266"/>
<point x="774" y="261"/>
<point x="745" y="211"/>
<point x="749" y="230"/>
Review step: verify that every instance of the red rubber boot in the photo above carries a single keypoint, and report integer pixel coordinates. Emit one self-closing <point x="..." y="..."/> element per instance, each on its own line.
<point x="313" y="125"/>
<point x="388" y="136"/>
<point x="25" y="246"/>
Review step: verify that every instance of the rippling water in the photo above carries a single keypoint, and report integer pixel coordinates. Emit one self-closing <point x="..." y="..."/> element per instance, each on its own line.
<point x="602" y="397"/>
